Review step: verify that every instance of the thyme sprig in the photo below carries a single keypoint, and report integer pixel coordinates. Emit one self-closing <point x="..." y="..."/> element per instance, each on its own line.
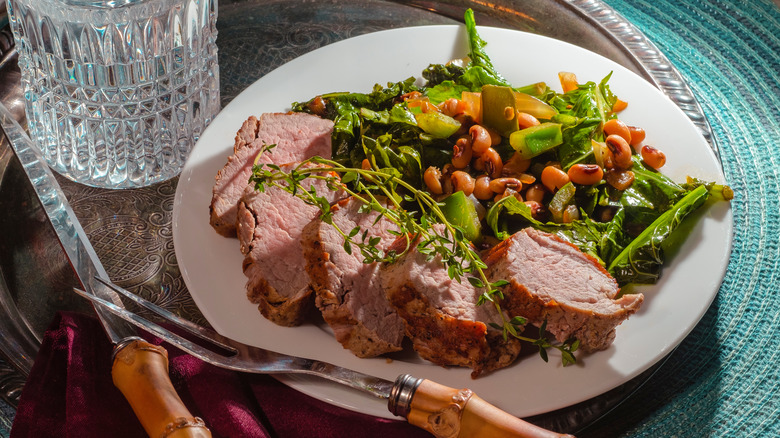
<point x="456" y="252"/>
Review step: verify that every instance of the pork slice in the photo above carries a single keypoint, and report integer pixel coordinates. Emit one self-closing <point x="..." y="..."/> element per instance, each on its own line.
<point x="442" y="317"/>
<point x="297" y="136"/>
<point x="550" y="279"/>
<point x="348" y="291"/>
<point x="270" y="224"/>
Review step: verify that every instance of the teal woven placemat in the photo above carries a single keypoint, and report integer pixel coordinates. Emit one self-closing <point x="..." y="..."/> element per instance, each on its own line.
<point x="724" y="379"/>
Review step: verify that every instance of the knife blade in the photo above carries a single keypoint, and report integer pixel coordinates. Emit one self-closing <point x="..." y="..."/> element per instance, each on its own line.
<point x="140" y="369"/>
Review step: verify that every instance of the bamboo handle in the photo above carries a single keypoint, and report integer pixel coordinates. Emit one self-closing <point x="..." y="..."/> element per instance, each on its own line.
<point x="450" y="413"/>
<point x="140" y="371"/>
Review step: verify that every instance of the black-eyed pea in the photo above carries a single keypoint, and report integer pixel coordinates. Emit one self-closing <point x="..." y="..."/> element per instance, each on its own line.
<point x="619" y="105"/>
<point x="617" y="127"/>
<point x="554" y="178"/>
<point x="411" y="95"/>
<point x="462" y="153"/>
<point x="621" y="151"/>
<point x="535" y="193"/>
<point x="509" y="113"/>
<point x="495" y="137"/>
<point x="482" y="188"/>
<point x="637" y="135"/>
<point x="452" y="107"/>
<point x="500" y="185"/>
<point x="525" y="120"/>
<point x="478" y="164"/>
<point x="318" y="106"/>
<point x="527" y="179"/>
<point x="490" y="162"/>
<point x="446" y="180"/>
<point x="462" y="182"/>
<point x="432" y="179"/>
<point x="515" y="165"/>
<point x="480" y="139"/>
<point x="653" y="157"/>
<point x="585" y="174"/>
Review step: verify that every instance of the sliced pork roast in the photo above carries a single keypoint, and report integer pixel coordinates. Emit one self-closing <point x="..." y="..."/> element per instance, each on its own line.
<point x="442" y="317"/>
<point x="348" y="291"/>
<point x="269" y="225"/>
<point x="552" y="280"/>
<point x="297" y="136"/>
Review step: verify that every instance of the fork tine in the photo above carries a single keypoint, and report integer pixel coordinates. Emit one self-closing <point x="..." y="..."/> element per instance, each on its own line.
<point x="201" y="332"/>
<point x="143" y="323"/>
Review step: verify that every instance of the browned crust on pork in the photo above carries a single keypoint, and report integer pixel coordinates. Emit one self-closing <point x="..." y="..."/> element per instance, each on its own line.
<point x="445" y="340"/>
<point x="245" y="230"/>
<point x="317" y="259"/>
<point x="284" y="311"/>
<point x="247" y="133"/>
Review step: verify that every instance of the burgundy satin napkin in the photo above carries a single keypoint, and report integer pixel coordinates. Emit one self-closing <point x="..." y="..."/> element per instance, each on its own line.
<point x="69" y="393"/>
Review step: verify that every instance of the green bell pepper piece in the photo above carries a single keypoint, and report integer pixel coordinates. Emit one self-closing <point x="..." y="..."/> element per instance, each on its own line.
<point x="530" y="142"/>
<point x="437" y="124"/>
<point x="562" y="199"/>
<point x="460" y="212"/>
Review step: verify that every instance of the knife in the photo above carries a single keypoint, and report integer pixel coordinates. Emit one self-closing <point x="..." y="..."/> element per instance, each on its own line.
<point x="140" y="369"/>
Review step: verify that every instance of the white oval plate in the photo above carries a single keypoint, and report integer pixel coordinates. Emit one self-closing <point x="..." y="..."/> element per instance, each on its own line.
<point x="211" y="265"/>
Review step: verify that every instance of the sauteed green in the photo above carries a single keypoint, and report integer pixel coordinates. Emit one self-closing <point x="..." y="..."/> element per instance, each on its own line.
<point x="486" y="158"/>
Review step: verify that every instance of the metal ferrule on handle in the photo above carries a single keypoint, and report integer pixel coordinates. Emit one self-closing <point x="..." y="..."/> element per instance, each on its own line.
<point x="400" y="401"/>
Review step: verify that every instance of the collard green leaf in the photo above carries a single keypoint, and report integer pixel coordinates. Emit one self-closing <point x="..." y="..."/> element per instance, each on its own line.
<point x="478" y="55"/>
<point x="641" y="260"/>
<point x="577" y="135"/>
<point x="445" y="90"/>
<point x="435" y="74"/>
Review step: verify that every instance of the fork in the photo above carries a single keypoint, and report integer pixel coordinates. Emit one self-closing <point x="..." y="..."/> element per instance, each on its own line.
<point x="443" y="411"/>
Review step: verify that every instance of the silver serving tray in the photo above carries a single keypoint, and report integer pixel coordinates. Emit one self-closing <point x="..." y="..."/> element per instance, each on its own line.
<point x="131" y="229"/>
